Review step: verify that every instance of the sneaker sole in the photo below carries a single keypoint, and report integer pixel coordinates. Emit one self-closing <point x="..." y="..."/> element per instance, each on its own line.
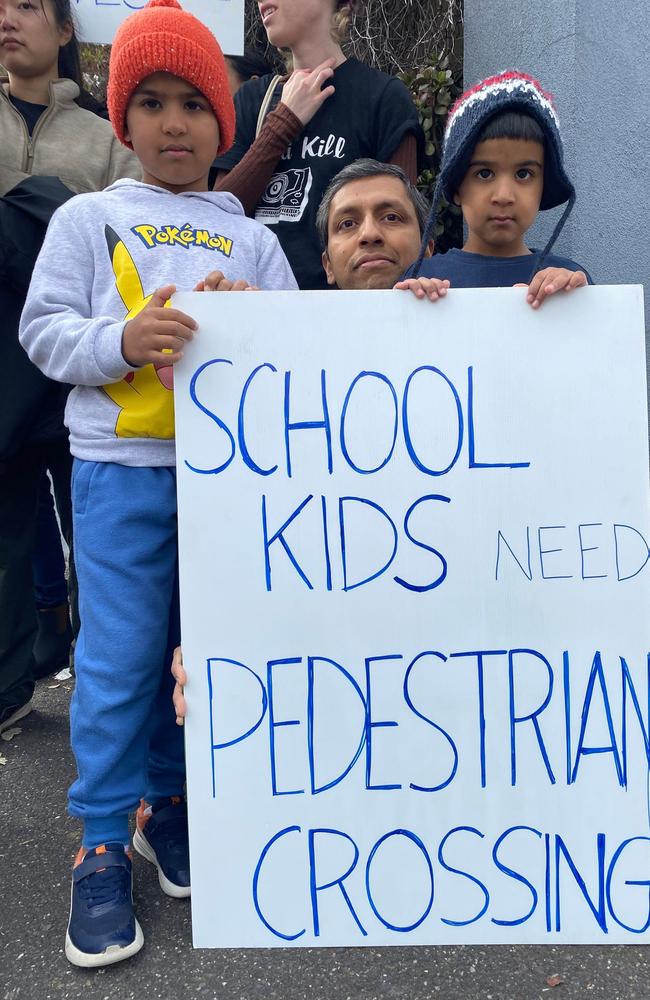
<point x="94" y="960"/>
<point x="144" y="848"/>
<point x="19" y="714"/>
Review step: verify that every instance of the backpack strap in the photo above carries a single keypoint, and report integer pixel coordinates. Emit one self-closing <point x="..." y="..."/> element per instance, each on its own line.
<point x="266" y="103"/>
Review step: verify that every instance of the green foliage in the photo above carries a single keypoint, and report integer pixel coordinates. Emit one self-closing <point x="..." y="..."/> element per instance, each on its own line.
<point x="94" y="66"/>
<point x="434" y="90"/>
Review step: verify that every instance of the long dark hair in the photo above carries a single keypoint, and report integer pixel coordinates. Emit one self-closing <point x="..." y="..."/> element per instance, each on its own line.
<point x="69" y="67"/>
<point x="251" y="64"/>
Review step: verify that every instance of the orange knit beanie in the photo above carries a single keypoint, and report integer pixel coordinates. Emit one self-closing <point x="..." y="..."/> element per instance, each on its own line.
<point x="162" y="37"/>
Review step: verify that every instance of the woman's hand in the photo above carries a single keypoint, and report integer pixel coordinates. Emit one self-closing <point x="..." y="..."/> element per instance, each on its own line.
<point x="303" y="93"/>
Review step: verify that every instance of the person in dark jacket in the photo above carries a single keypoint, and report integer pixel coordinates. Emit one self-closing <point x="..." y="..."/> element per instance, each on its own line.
<point x="32" y="435"/>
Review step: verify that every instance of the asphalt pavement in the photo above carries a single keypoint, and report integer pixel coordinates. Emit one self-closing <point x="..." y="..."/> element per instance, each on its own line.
<point x="37" y="844"/>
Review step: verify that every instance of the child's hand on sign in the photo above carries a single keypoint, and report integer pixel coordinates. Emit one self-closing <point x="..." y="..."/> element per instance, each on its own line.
<point x="158" y="333"/>
<point x="424" y="288"/>
<point x="553" y="279"/>
<point x="216" y="281"/>
<point x="179" y="675"/>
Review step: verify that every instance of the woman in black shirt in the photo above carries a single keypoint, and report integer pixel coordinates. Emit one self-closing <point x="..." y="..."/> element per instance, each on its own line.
<point x="294" y="135"/>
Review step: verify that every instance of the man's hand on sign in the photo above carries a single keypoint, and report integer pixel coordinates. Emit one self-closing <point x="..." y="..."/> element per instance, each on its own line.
<point x="425" y="288"/>
<point x="553" y="279"/>
<point x="303" y="93"/>
<point x="158" y="333"/>
<point x="179" y="675"/>
<point x="216" y="281"/>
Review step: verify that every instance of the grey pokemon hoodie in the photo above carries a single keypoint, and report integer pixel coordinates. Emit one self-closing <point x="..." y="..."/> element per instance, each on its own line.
<point x="104" y="255"/>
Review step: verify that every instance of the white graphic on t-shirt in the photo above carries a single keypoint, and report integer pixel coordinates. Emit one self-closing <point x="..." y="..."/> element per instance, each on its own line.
<point x="286" y="197"/>
<point x="318" y="147"/>
<point x="324" y="147"/>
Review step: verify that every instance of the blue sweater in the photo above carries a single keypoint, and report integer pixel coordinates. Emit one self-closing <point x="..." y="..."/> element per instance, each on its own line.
<point x="475" y="270"/>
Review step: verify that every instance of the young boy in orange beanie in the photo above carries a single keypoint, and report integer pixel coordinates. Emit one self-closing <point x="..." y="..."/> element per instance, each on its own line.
<point x="98" y="316"/>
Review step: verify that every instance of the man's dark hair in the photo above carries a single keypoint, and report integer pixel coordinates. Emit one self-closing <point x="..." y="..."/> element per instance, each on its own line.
<point x="357" y="171"/>
<point x="512" y="125"/>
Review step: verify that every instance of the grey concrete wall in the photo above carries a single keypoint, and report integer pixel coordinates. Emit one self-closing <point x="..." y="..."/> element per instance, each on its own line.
<point x="594" y="57"/>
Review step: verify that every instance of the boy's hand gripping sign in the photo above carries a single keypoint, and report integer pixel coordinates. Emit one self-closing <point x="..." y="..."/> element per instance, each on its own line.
<point x="415" y="588"/>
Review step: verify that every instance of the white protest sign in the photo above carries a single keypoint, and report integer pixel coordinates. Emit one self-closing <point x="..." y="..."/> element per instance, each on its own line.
<point x="98" y="20"/>
<point x="415" y="591"/>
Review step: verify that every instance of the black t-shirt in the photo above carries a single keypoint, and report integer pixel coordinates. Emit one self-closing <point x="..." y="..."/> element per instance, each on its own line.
<point x="30" y="112"/>
<point x="476" y="270"/>
<point x="368" y="115"/>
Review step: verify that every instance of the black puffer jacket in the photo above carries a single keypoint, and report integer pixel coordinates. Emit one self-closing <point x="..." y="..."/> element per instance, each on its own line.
<point x="31" y="405"/>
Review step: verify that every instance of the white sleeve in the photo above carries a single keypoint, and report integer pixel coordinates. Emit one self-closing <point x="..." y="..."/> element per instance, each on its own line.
<point x="57" y="328"/>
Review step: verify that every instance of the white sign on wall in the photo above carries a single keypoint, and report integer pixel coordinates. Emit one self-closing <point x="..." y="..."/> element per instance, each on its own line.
<point x="415" y="590"/>
<point x="98" y="20"/>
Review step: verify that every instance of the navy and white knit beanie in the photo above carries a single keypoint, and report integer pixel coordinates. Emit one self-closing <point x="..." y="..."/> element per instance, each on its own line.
<point x="508" y="91"/>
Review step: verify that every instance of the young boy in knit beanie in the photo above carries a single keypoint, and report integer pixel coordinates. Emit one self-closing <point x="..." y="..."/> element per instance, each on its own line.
<point x="98" y="316"/>
<point x="502" y="163"/>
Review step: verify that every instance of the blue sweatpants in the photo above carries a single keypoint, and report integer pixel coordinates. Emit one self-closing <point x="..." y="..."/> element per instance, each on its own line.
<point x="122" y="722"/>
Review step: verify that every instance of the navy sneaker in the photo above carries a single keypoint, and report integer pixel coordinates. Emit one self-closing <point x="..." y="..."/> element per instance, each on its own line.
<point x="102" y="928"/>
<point x="161" y="837"/>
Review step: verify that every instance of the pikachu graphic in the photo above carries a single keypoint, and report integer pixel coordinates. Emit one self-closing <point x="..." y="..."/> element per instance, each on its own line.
<point x="145" y="397"/>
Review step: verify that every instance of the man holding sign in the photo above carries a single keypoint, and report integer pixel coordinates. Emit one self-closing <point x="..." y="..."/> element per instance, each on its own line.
<point x="280" y="765"/>
<point x="372" y="219"/>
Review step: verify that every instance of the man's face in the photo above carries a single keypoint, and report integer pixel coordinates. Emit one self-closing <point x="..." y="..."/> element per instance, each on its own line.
<point x="373" y="234"/>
